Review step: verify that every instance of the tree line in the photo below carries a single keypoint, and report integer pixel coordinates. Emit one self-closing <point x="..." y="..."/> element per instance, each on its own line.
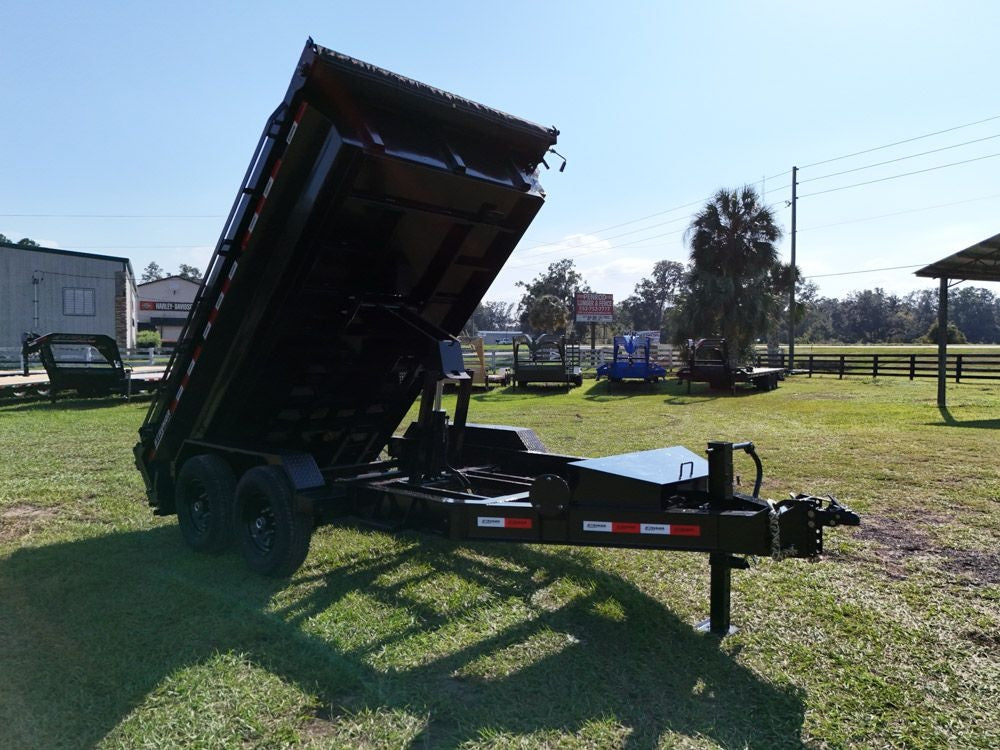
<point x="734" y="285"/>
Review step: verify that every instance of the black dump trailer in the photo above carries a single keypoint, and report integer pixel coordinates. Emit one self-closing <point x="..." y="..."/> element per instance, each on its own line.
<point x="374" y="215"/>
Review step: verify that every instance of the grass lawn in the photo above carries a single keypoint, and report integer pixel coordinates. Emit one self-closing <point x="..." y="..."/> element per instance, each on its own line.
<point x="114" y="634"/>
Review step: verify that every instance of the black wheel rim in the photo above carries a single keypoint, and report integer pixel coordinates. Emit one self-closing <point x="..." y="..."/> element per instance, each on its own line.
<point x="260" y="525"/>
<point x="201" y="510"/>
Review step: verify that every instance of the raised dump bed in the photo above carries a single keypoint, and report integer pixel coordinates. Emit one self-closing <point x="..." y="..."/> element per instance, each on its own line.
<point x="374" y="215"/>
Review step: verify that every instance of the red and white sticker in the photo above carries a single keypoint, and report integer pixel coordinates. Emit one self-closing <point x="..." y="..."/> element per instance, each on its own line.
<point x="663" y="529"/>
<point x="502" y="522"/>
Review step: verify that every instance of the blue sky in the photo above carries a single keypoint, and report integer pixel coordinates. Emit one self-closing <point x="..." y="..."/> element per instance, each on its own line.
<point x="141" y="109"/>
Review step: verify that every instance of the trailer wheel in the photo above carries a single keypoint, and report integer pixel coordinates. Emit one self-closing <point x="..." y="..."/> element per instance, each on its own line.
<point x="273" y="535"/>
<point x="204" y="500"/>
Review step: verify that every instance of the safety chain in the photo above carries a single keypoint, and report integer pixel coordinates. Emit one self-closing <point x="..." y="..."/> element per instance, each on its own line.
<point x="777" y="553"/>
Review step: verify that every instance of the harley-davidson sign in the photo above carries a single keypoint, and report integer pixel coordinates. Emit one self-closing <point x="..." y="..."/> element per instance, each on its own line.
<point x="165" y="306"/>
<point x="594" y="308"/>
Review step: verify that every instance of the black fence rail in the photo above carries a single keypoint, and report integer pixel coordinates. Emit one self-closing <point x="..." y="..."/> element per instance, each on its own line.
<point x="963" y="366"/>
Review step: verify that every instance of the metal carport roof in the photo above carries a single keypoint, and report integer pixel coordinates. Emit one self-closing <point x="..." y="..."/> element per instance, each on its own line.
<point x="980" y="262"/>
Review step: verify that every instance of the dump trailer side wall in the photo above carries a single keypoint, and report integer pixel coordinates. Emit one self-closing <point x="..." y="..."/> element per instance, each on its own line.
<point x="374" y="216"/>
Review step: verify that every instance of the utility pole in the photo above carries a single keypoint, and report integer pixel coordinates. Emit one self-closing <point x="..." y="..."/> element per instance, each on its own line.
<point x="791" y="292"/>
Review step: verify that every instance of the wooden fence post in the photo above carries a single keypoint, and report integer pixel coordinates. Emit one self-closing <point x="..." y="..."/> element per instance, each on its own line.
<point x="958" y="368"/>
<point x="913" y="366"/>
<point x="874" y="366"/>
<point x="841" y="367"/>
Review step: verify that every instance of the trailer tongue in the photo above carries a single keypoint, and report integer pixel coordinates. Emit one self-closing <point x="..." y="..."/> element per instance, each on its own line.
<point x="375" y="214"/>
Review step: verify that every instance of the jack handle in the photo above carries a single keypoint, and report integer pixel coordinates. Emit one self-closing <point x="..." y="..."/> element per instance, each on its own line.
<point x="750" y="450"/>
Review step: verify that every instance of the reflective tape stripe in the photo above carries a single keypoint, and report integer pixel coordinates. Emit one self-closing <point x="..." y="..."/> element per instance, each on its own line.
<point x="501" y="522"/>
<point x="662" y="529"/>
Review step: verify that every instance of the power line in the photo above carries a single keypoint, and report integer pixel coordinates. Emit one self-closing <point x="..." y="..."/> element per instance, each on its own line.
<point x="98" y="246"/>
<point x="111" y="216"/>
<point x="899" y="213"/>
<point x="575" y="255"/>
<point x="596" y="240"/>
<point x="624" y="223"/>
<point x="869" y="270"/>
<point x="901" y="158"/>
<point x="897" y="176"/>
<point x="898" y="143"/>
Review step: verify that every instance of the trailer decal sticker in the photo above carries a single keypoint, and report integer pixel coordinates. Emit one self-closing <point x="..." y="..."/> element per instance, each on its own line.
<point x="500" y="522"/>
<point x="291" y="131"/>
<point x="253" y="223"/>
<point x="267" y="187"/>
<point x="685" y="530"/>
<point x="232" y="271"/>
<point x="662" y="529"/>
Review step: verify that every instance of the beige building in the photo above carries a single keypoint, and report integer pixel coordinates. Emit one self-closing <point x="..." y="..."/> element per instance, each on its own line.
<point x="48" y="290"/>
<point x="164" y="305"/>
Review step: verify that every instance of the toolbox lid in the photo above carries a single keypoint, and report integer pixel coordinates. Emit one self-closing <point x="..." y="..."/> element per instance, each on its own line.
<point x="662" y="466"/>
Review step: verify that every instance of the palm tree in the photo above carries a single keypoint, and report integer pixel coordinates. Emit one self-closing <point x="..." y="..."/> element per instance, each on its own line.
<point x="736" y="280"/>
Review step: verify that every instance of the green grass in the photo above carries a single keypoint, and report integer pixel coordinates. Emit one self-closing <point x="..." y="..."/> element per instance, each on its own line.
<point x="113" y="634"/>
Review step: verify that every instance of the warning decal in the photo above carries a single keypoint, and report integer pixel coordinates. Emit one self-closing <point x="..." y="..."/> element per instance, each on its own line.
<point x="665" y="529"/>
<point x="500" y="522"/>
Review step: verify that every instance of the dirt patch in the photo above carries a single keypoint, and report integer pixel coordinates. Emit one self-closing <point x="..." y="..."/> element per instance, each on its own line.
<point x="989" y="640"/>
<point x="18" y="520"/>
<point x="898" y="540"/>
<point x="982" y="567"/>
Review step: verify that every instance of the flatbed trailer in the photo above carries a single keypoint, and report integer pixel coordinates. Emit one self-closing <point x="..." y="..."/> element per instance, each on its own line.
<point x="708" y="361"/>
<point x="375" y="214"/>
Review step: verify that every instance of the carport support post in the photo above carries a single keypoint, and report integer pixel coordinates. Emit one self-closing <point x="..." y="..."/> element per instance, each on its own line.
<point x="942" y="341"/>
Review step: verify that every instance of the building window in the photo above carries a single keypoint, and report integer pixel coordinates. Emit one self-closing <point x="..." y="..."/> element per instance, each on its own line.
<point x="78" y="301"/>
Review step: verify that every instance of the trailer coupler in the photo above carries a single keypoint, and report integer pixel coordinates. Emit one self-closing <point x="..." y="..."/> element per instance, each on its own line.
<point x="796" y="530"/>
<point x="796" y="524"/>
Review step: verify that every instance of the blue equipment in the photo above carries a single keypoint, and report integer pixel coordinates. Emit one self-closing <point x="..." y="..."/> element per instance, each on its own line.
<point x="631" y="360"/>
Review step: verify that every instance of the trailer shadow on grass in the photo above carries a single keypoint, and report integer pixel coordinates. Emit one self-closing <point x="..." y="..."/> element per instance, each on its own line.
<point x="89" y="628"/>
<point x="948" y="420"/>
<point x="71" y="404"/>
<point x="605" y="390"/>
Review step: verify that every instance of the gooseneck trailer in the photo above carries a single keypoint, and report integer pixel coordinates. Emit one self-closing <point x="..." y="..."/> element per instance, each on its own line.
<point x="374" y="215"/>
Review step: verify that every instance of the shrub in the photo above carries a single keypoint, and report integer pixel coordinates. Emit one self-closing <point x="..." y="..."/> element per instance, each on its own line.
<point x="148" y="339"/>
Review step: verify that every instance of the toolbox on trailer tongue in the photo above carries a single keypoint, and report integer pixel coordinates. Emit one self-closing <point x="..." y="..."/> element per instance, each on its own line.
<point x="374" y="215"/>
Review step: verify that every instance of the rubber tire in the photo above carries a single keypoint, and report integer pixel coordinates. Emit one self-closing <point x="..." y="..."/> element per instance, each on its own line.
<point x="265" y="496"/>
<point x="206" y="478"/>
